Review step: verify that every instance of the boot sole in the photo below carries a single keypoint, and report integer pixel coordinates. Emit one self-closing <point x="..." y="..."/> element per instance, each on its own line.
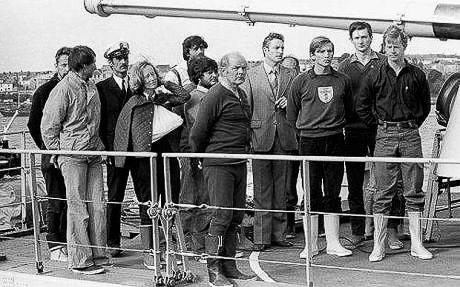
<point x="420" y="256"/>
<point x="339" y="254"/>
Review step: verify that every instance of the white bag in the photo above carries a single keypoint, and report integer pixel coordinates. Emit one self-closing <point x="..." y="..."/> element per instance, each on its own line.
<point x="163" y="122"/>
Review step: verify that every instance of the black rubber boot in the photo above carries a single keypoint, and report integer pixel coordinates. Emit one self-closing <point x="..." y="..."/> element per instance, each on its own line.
<point x="214" y="248"/>
<point x="228" y="265"/>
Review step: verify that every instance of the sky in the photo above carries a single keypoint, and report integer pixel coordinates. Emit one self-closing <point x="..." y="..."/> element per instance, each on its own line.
<point x="31" y="31"/>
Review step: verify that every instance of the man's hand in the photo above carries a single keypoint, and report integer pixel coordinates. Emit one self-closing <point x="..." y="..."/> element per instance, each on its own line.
<point x="281" y="103"/>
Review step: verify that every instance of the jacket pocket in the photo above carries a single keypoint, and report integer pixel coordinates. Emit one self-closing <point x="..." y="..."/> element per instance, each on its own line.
<point x="255" y="124"/>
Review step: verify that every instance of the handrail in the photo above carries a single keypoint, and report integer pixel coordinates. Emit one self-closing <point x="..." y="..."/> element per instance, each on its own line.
<point x="312" y="158"/>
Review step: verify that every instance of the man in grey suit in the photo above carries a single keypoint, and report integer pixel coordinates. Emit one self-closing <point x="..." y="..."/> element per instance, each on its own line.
<point x="267" y="86"/>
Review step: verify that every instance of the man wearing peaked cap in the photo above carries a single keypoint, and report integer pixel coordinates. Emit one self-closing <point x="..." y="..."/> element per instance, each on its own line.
<point x="114" y="93"/>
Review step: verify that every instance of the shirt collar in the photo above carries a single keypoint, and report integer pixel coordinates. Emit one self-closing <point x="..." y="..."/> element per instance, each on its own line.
<point x="119" y="80"/>
<point x="354" y="58"/>
<point x="75" y="77"/>
<point x="269" y="69"/>
<point x="312" y="73"/>
<point x="202" y="89"/>
<point x="388" y="67"/>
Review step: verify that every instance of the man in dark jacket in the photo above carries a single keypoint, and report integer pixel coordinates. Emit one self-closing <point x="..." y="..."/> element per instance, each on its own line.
<point x="114" y="93"/>
<point x="56" y="213"/>
<point x="396" y="99"/>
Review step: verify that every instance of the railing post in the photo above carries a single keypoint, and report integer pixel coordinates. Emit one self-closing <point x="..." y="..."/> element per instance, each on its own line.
<point x="307" y="218"/>
<point x="166" y="226"/>
<point x="35" y="214"/>
<point x="23" y="183"/>
<point x="155" y="235"/>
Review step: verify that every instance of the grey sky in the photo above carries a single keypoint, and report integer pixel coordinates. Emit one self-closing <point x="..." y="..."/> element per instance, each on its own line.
<point x="31" y="31"/>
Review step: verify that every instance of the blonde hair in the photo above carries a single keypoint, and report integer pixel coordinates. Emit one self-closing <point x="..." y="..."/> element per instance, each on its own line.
<point x="136" y="77"/>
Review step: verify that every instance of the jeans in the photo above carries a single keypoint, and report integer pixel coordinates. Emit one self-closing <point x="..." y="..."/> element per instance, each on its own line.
<point x="392" y="141"/>
<point x="326" y="174"/>
<point x="57" y="209"/>
<point x="227" y="188"/>
<point x="86" y="221"/>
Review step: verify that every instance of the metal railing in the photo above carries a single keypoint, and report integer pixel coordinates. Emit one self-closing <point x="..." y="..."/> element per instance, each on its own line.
<point x="164" y="214"/>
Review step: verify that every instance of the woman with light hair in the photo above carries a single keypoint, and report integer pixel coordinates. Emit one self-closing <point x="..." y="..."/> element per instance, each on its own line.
<point x="138" y="130"/>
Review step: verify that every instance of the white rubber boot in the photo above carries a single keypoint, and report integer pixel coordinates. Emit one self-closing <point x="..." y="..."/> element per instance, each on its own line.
<point x="380" y="236"/>
<point x="331" y="228"/>
<point x="313" y="236"/>
<point x="416" y="247"/>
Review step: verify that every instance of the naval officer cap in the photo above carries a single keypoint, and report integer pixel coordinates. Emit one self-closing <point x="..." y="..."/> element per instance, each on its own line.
<point x="119" y="48"/>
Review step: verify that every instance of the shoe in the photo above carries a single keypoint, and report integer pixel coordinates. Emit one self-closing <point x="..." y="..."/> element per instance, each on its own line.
<point x="57" y="254"/>
<point x="380" y="235"/>
<point x="260" y="247"/>
<point x="331" y="227"/>
<point x="282" y="243"/>
<point x="2" y="257"/>
<point x="290" y="235"/>
<point x="393" y="242"/>
<point x="416" y="246"/>
<point x="356" y="240"/>
<point x="115" y="252"/>
<point x="313" y="237"/>
<point x="214" y="246"/>
<point x="91" y="270"/>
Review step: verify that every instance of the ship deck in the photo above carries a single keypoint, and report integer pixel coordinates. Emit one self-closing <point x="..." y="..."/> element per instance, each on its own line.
<point x="397" y="269"/>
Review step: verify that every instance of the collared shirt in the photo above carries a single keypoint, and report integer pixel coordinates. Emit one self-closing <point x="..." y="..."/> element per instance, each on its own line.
<point x="119" y="81"/>
<point x="71" y="116"/>
<point x="316" y="103"/>
<point x="272" y="74"/>
<point x="389" y="97"/>
<point x="356" y="71"/>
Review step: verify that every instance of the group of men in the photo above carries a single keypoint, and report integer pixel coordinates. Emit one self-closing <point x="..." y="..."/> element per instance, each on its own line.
<point x="374" y="104"/>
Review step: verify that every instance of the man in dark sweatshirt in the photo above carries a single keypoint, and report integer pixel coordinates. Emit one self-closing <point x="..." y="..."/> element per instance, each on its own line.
<point x="223" y="126"/>
<point x="56" y="213"/>
<point x="316" y="107"/>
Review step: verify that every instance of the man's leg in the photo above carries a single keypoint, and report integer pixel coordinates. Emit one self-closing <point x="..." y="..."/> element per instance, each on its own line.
<point x="291" y="196"/>
<point x="386" y="176"/>
<point x="116" y="183"/>
<point x="96" y="208"/>
<point x="262" y="171"/>
<point x="75" y="172"/>
<point x="280" y="171"/>
<point x="221" y="184"/>
<point x="412" y="174"/>
<point x="187" y="196"/>
<point x="356" y="145"/>
<point x="57" y="209"/>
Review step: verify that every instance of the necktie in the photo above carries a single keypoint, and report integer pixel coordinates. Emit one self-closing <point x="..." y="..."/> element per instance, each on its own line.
<point x="123" y="87"/>
<point x="274" y="81"/>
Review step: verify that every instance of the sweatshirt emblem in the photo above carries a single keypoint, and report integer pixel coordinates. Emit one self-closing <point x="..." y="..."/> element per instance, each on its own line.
<point x="325" y="94"/>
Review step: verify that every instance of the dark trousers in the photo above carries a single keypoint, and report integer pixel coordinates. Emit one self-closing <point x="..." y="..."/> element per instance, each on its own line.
<point x="227" y="188"/>
<point x="327" y="174"/>
<point x="57" y="209"/>
<point x="140" y="172"/>
<point x="270" y="184"/>
<point x="117" y="178"/>
<point x="357" y="143"/>
<point x="291" y="192"/>
<point x="194" y="191"/>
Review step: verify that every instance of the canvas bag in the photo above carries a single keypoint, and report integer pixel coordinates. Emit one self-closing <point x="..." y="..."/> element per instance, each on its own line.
<point x="164" y="121"/>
